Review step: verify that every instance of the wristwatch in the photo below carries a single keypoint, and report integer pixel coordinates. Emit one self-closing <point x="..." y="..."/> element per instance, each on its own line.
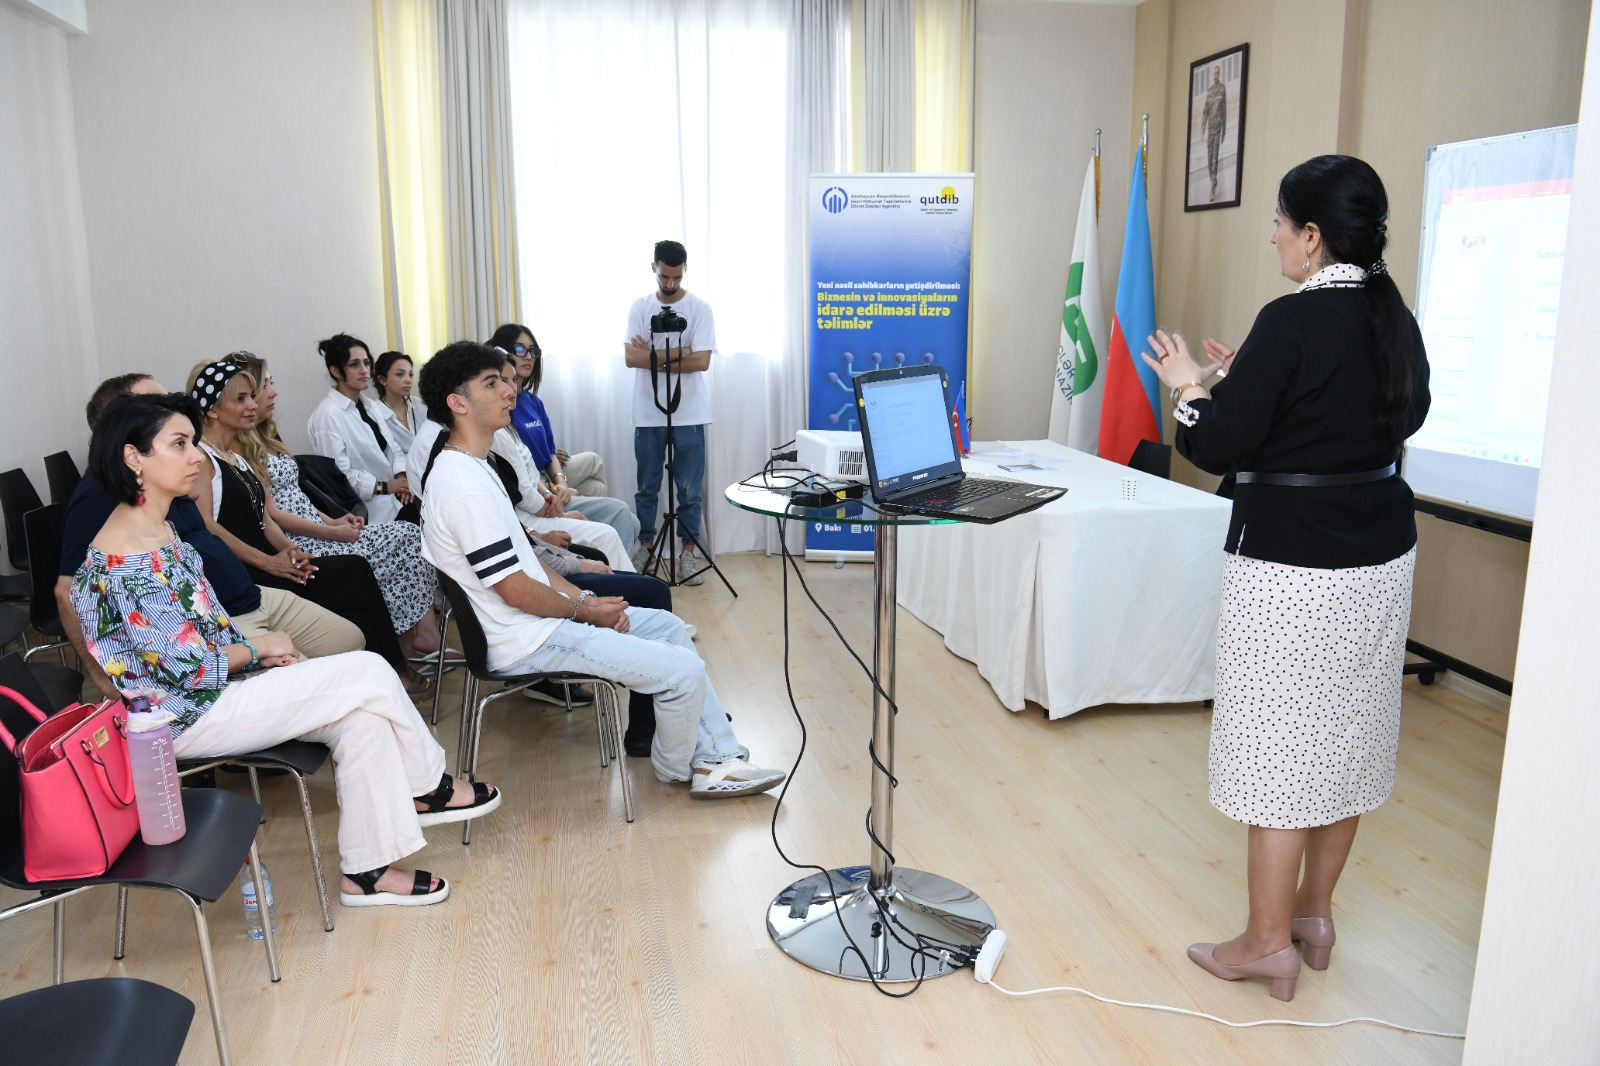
<point x="381" y="488"/>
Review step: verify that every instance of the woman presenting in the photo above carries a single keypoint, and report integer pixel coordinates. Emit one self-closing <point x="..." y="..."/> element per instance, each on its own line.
<point x="1308" y="426"/>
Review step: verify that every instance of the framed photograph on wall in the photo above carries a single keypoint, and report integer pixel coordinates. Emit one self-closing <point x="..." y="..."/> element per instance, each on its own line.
<point x="1216" y="129"/>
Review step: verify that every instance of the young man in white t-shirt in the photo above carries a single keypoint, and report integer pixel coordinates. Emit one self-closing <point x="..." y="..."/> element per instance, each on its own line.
<point x="537" y="622"/>
<point x="682" y="372"/>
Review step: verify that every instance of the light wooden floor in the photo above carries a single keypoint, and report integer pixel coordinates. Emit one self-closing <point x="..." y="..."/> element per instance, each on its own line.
<point x="572" y="937"/>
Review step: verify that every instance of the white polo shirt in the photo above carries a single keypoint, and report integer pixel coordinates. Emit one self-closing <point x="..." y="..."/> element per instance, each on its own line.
<point x="694" y="409"/>
<point x="470" y="532"/>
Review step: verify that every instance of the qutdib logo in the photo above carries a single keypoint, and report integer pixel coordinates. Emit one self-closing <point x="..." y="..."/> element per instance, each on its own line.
<point x="835" y="200"/>
<point x="947" y="195"/>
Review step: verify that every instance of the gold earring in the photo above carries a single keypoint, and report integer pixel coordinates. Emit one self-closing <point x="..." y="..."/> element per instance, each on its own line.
<point x="1306" y="266"/>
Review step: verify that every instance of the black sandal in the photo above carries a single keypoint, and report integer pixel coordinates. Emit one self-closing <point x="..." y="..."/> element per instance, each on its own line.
<point x="422" y="892"/>
<point x="485" y="798"/>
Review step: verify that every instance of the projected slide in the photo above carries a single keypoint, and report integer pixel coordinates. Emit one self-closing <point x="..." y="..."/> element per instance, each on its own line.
<point x="1494" y="243"/>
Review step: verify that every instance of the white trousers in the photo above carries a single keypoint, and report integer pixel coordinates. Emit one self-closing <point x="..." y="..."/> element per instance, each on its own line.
<point x="383" y="753"/>
<point x="586" y="474"/>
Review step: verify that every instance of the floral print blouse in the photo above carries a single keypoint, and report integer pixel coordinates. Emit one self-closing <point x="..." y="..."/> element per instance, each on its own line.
<point x="152" y="622"/>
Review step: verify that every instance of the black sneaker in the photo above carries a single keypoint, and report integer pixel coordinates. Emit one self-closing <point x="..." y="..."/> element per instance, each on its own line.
<point x="557" y="693"/>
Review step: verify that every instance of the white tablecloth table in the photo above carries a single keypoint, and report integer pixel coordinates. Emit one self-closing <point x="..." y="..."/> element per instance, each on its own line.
<point x="1089" y="600"/>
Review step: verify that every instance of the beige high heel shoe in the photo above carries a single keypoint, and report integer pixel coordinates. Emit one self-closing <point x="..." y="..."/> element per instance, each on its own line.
<point x="1317" y="935"/>
<point x="1282" y="966"/>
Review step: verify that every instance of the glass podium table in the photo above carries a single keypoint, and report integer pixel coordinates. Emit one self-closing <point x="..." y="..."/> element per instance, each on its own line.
<point x="909" y="924"/>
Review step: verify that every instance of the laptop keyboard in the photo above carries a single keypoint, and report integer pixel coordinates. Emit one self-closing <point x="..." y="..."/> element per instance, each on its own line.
<point x="968" y="490"/>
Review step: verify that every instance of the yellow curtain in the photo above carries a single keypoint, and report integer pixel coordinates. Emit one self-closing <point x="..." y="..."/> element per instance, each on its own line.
<point x="411" y="175"/>
<point x="945" y="49"/>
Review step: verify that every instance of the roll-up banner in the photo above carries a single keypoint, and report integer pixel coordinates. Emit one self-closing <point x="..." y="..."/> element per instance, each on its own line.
<point x="891" y="271"/>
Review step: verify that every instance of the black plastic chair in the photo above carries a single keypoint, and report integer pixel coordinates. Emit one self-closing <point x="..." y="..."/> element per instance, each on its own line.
<point x="17" y="498"/>
<point x="1152" y="457"/>
<point x="60" y="686"/>
<point x="301" y="758"/>
<point x="62" y="475"/>
<point x="475" y="646"/>
<point x="88" y="1023"/>
<point x="42" y="528"/>
<point x="221" y="831"/>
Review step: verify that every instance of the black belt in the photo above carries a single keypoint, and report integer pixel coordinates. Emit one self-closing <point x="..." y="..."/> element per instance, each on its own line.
<point x="1250" y="477"/>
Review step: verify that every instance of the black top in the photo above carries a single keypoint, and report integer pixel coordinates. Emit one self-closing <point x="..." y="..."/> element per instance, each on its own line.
<point x="86" y="515"/>
<point x="1302" y="398"/>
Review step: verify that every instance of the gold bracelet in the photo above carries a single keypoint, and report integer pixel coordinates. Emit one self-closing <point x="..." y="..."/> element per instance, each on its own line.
<point x="1178" y="390"/>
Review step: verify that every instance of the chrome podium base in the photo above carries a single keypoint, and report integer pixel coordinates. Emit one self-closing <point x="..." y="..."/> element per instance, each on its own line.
<point x="803" y="922"/>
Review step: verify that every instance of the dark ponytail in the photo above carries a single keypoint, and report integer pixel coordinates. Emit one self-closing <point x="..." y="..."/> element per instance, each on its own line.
<point x="1345" y="198"/>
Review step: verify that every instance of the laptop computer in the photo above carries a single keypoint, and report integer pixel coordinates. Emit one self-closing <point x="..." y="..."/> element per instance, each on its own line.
<point x="913" y="462"/>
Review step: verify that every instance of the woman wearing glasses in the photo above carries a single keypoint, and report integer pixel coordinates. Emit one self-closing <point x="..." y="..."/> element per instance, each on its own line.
<point x="569" y="477"/>
<point x="347" y="428"/>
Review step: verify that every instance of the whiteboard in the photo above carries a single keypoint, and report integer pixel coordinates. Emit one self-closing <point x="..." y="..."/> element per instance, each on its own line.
<point x="1494" y="237"/>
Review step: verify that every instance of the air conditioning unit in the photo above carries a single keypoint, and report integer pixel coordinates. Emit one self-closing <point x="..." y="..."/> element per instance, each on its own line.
<point x="833" y="454"/>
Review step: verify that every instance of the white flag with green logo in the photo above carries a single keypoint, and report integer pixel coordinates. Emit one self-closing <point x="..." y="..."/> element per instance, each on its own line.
<point x="1080" y="357"/>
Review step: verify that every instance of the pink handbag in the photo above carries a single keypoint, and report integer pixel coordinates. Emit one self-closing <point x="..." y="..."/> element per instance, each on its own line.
<point x="77" y="789"/>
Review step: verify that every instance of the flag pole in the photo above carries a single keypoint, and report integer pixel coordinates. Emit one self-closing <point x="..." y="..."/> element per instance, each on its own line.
<point x="1144" y="155"/>
<point x="1097" y="175"/>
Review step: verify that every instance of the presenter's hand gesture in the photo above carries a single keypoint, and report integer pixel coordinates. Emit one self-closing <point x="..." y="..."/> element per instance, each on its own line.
<point x="1172" y="362"/>
<point x="1221" y="356"/>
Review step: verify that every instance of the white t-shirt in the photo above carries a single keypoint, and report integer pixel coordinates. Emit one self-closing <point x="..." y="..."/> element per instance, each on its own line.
<point x="506" y="444"/>
<point x="470" y="532"/>
<point x="694" y="409"/>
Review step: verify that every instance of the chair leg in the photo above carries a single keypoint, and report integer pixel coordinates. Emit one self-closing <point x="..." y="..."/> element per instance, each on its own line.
<point x="473" y="737"/>
<point x="615" y="703"/>
<point x="316" y="851"/>
<point x="602" y="721"/>
<point x="60" y="912"/>
<point x="255" y="790"/>
<point x="208" y="970"/>
<point x="438" y="671"/>
<point x="122" y="923"/>
<point x="268" y="937"/>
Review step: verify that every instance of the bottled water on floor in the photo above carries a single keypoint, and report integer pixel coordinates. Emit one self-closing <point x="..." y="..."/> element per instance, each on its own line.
<point x="252" y="906"/>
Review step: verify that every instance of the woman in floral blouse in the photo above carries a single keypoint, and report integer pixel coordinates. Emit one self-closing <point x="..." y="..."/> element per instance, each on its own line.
<point x="153" y="624"/>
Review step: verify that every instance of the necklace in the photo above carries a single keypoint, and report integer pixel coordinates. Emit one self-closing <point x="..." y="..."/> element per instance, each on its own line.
<point x="493" y="476"/>
<point x="246" y="477"/>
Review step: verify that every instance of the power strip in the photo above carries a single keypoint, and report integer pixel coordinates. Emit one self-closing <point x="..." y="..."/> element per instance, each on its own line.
<point x="994" y="949"/>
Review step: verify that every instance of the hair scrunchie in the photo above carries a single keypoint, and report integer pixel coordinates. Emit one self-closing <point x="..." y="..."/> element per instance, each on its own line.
<point x="208" y="384"/>
<point x="1380" y="267"/>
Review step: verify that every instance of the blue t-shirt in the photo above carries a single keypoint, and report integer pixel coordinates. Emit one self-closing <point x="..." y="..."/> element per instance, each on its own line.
<point x="86" y="515"/>
<point x="533" y="426"/>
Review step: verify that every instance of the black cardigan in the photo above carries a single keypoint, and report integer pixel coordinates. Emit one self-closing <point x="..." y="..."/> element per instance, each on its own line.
<point x="1302" y="398"/>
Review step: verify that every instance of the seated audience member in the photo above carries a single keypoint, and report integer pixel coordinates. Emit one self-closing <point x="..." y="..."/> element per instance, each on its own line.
<point x="392" y="377"/>
<point x="347" y="427"/>
<point x="541" y="514"/>
<point x="235" y="503"/>
<point x="155" y="625"/>
<point x="536" y="621"/>
<point x="254" y="610"/>
<point x="532" y="425"/>
<point x="392" y="549"/>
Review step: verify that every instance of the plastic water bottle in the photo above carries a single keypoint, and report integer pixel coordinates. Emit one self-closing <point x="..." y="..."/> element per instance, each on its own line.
<point x="156" y="788"/>
<point x="252" y="906"/>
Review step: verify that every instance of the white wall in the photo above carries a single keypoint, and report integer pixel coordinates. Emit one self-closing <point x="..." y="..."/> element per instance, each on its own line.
<point x="46" y="323"/>
<point x="1048" y="75"/>
<point x="229" y="184"/>
<point x="1539" y="955"/>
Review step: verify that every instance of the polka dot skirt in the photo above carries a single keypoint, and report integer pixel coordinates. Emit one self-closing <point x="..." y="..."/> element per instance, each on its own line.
<point x="1307" y="718"/>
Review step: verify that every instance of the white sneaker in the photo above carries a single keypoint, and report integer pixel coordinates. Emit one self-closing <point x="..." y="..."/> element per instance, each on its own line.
<point x="692" y="629"/>
<point x="641" y="555"/>
<point x="732" y="777"/>
<point x="688" y="569"/>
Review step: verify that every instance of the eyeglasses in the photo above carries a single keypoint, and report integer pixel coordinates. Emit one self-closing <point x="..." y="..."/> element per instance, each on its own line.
<point x="523" y="349"/>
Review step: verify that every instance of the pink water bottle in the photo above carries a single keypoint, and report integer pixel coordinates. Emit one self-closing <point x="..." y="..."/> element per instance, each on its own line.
<point x="156" y="788"/>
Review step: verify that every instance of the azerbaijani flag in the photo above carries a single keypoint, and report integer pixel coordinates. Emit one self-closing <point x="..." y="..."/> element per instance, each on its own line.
<point x="958" y="419"/>
<point x="1131" y="409"/>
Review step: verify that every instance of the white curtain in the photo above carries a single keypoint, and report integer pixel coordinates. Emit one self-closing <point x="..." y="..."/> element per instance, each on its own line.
<point x="640" y="121"/>
<point x="889" y="88"/>
<point x="476" y="136"/>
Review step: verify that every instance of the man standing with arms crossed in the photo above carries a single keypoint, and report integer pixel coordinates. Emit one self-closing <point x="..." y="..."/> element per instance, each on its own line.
<point x="688" y="378"/>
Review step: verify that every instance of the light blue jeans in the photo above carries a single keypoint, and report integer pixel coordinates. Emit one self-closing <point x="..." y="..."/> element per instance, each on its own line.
<point x="654" y="656"/>
<point x="612" y="512"/>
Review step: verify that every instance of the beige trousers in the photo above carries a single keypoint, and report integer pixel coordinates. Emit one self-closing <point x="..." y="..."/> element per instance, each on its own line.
<point x="586" y="474"/>
<point x="383" y="753"/>
<point x="316" y="631"/>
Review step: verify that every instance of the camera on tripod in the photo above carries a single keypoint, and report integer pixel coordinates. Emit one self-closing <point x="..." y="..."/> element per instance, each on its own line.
<point x="668" y="321"/>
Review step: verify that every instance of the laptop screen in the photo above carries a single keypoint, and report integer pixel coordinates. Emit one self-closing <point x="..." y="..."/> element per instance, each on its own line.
<point x="906" y="425"/>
